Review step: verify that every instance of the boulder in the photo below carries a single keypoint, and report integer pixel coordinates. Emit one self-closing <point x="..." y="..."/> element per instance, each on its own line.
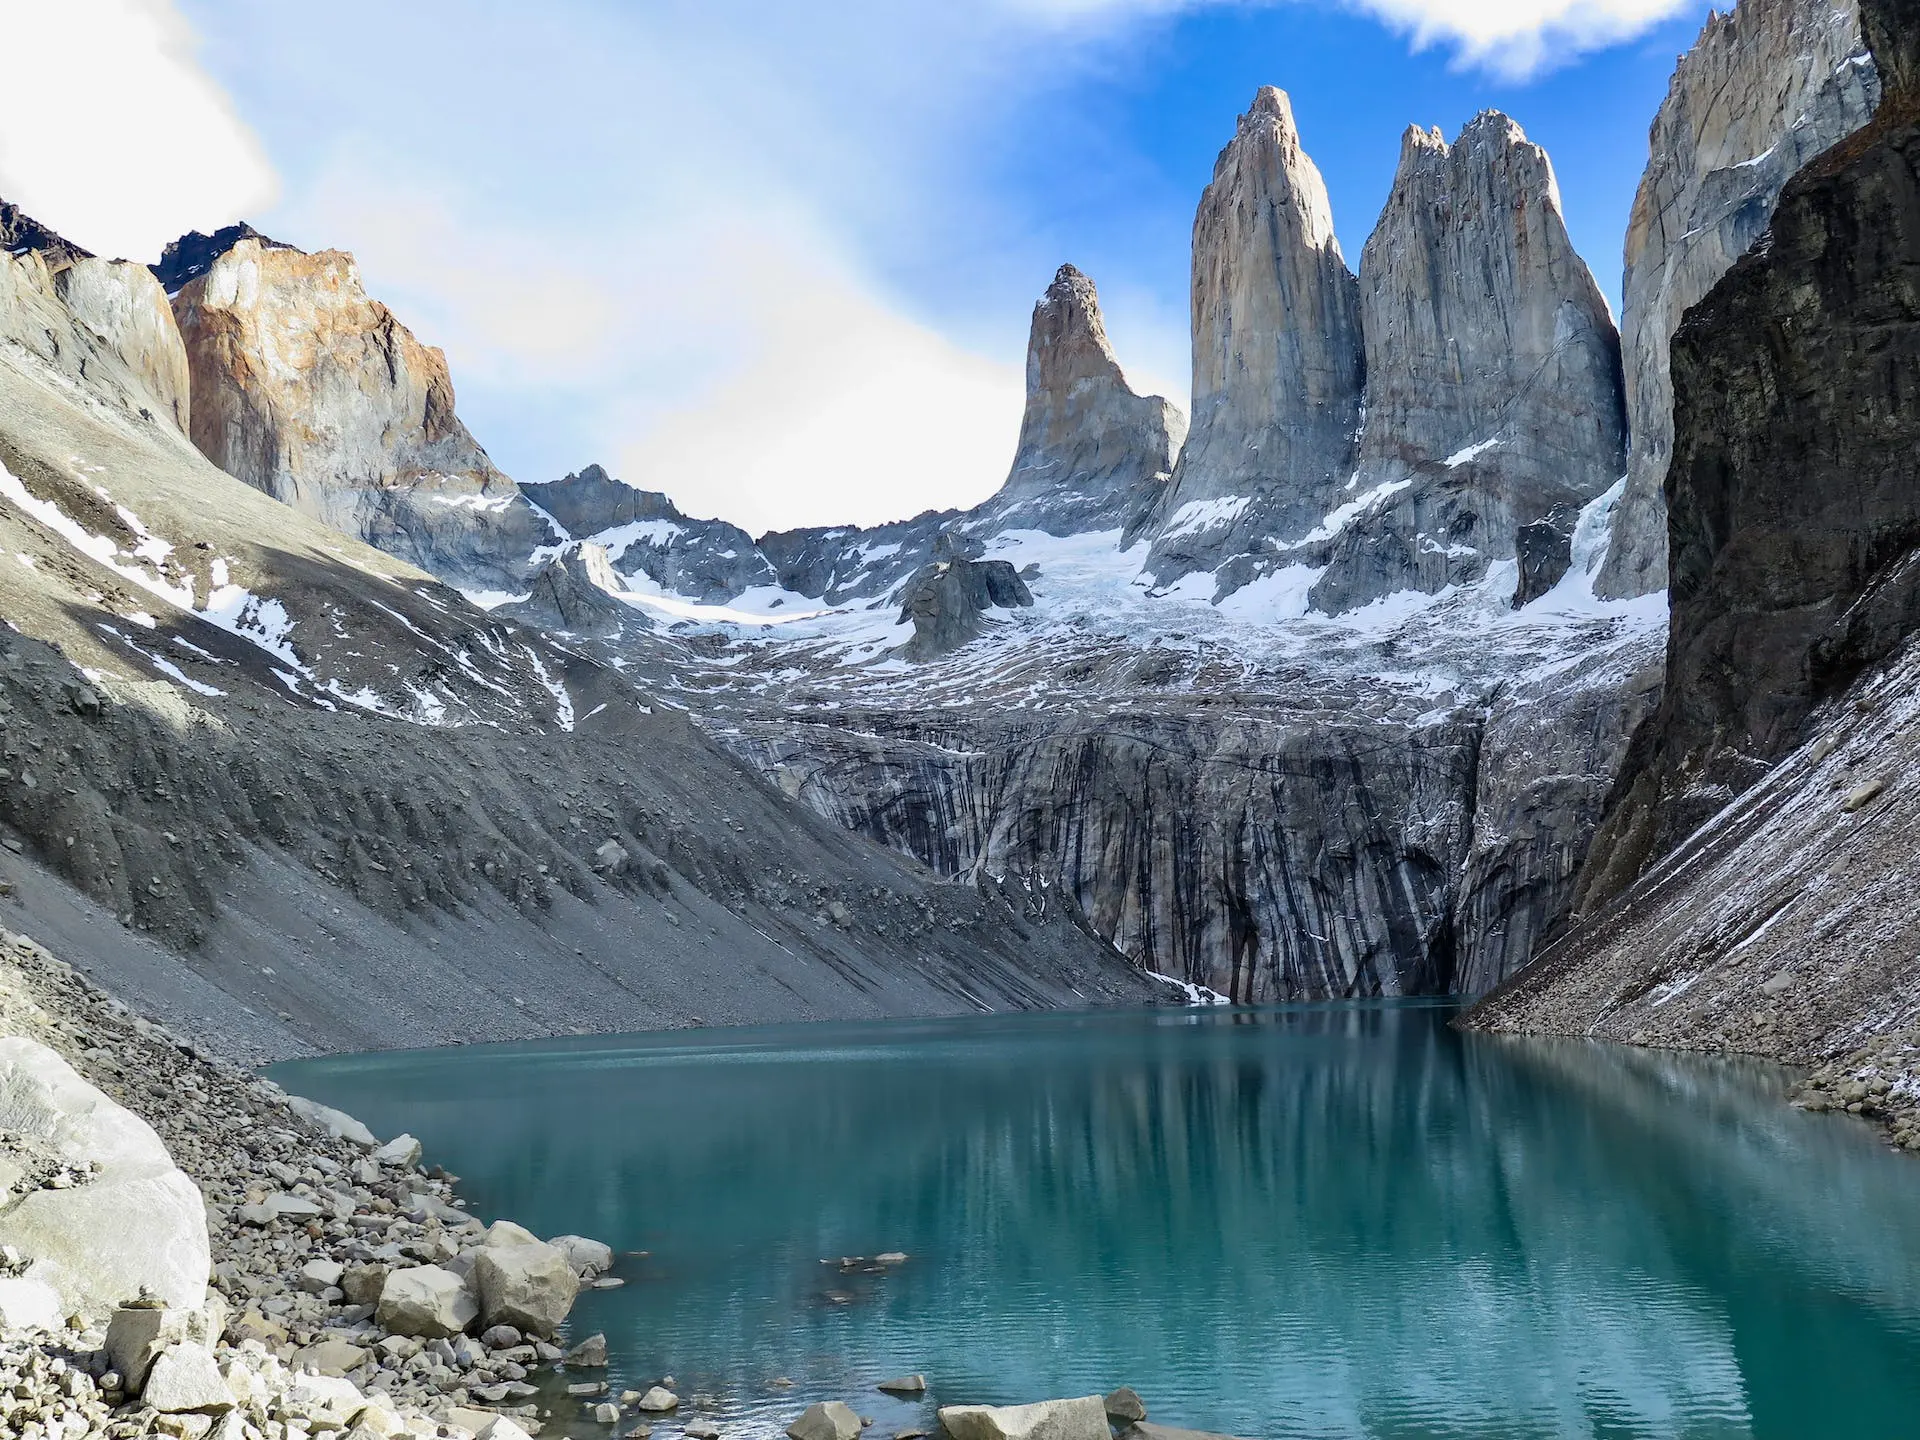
<point x="425" y="1301"/>
<point x="523" y="1281"/>
<point x="337" y="1123"/>
<point x="659" y="1400"/>
<point x="1082" y="1419"/>
<point x="362" y="1284"/>
<point x="1144" y="1431"/>
<point x="829" y="1421"/>
<point x="135" y="1222"/>
<point x="1125" y="1407"/>
<point x="337" y="1358"/>
<point x="502" y="1428"/>
<point x="186" y="1379"/>
<point x="403" y="1151"/>
<point x="319" y="1276"/>
<point x="584" y="1255"/>
<point x="589" y="1354"/>
<point x="905" y="1385"/>
<point x="324" y="1399"/>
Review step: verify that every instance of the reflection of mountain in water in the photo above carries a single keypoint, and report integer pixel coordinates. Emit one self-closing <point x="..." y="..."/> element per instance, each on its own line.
<point x="1339" y="1221"/>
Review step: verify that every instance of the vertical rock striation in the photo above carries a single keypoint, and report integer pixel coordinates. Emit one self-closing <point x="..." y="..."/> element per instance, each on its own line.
<point x="1766" y="88"/>
<point x="1794" y="493"/>
<point x="1493" y="373"/>
<point x="1278" y="368"/>
<point x="310" y="391"/>
<point x="1093" y="454"/>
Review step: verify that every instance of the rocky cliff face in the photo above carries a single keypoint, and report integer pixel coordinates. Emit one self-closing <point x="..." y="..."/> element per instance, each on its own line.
<point x="1794" y="520"/>
<point x="1493" y="375"/>
<point x="1769" y="809"/>
<point x="947" y="598"/>
<point x="1278" y="363"/>
<point x="1093" y="455"/>
<point x="305" y="388"/>
<point x="1768" y="86"/>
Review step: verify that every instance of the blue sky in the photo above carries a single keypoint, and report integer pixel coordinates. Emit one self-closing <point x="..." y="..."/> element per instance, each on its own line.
<point x="774" y="257"/>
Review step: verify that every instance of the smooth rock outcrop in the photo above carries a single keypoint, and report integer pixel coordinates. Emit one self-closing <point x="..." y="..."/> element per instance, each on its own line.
<point x="307" y="389"/>
<point x="124" y="305"/>
<point x="336" y="1123"/>
<point x="96" y="1205"/>
<point x="1494" y="393"/>
<point x="1278" y="362"/>
<point x="522" y="1281"/>
<point x="1767" y="86"/>
<point x="1093" y="454"/>
<point x="1794" y="525"/>
<point x="426" y="1301"/>
<point x="1083" y="1419"/>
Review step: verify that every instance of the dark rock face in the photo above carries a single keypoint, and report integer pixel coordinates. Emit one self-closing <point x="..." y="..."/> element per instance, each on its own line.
<point x="20" y="231"/>
<point x="645" y="534"/>
<point x="1093" y="454"/>
<point x="576" y="592"/>
<point x="1794" y="494"/>
<point x="193" y="254"/>
<point x="1766" y="87"/>
<point x="946" y="599"/>
<point x="1544" y="549"/>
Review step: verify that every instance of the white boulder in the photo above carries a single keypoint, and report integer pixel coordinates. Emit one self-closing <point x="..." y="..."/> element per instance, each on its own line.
<point x="522" y="1281"/>
<point x="134" y="1220"/>
<point x="186" y="1379"/>
<point x="402" y="1151"/>
<point x="1083" y="1419"/>
<point x="336" y="1123"/>
<point x="587" y="1257"/>
<point x="425" y="1301"/>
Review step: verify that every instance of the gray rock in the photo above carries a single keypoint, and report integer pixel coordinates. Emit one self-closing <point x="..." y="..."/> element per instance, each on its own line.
<point x="659" y="1400"/>
<point x="333" y="1357"/>
<point x="305" y="388"/>
<point x="336" y="1123"/>
<point x="1124" y="1406"/>
<point x="946" y="600"/>
<point x="319" y="1275"/>
<point x="905" y="1385"/>
<point x="185" y="1378"/>
<point x="1278" y="365"/>
<point x="1084" y="1419"/>
<point x="577" y="591"/>
<point x="1144" y="1431"/>
<point x="137" y="1222"/>
<point x="1765" y="88"/>
<point x="589" y="1354"/>
<point x="584" y="1255"/>
<point x="1093" y="455"/>
<point x="402" y="1152"/>
<point x="362" y="1284"/>
<point x="522" y="1281"/>
<point x="830" y="1420"/>
<point x="425" y="1301"/>
<point x="1494" y="392"/>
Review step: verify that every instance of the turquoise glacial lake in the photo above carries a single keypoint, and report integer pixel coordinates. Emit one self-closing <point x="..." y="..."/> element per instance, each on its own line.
<point x="1324" y="1221"/>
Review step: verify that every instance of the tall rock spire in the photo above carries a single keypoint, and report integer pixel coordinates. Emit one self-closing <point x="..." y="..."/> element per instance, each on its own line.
<point x="1493" y="371"/>
<point x="1764" y="89"/>
<point x="1093" y="454"/>
<point x="1277" y="363"/>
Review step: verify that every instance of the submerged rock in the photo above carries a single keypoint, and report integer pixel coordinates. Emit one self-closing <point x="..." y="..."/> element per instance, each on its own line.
<point x="1084" y="1419"/>
<point x="829" y="1421"/>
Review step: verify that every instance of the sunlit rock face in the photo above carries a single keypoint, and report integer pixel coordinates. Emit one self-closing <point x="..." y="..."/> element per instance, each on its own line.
<point x="1278" y="367"/>
<point x="1093" y="454"/>
<point x="1493" y="373"/>
<point x="1765" y="88"/>
<point x="310" y="391"/>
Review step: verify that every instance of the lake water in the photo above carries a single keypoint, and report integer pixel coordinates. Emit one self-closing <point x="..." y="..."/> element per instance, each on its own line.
<point x="1312" y="1221"/>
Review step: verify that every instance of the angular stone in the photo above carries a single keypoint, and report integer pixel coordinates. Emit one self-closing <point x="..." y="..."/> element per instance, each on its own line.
<point x="1124" y="1406"/>
<point x="331" y="1357"/>
<point x="1083" y="1419"/>
<point x="905" y="1385"/>
<point x="830" y="1420"/>
<point x="362" y="1284"/>
<point x="523" y="1281"/>
<point x="402" y="1152"/>
<point x="336" y="1123"/>
<point x="584" y="1255"/>
<point x="589" y="1354"/>
<point x="185" y="1377"/>
<point x="318" y="1276"/>
<point x="659" y="1400"/>
<point x="425" y="1301"/>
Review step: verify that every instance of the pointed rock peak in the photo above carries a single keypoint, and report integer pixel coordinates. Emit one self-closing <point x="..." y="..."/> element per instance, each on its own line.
<point x="21" y="232"/>
<point x="1069" y="338"/>
<point x="1270" y="103"/>
<point x="193" y="254"/>
<point x="1418" y="143"/>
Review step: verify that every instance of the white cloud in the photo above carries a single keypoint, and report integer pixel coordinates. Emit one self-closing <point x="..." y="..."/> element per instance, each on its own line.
<point x="111" y="133"/>
<point x="1514" y="39"/>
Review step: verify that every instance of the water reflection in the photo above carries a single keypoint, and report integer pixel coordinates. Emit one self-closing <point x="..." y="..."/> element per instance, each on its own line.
<point x="1320" y="1221"/>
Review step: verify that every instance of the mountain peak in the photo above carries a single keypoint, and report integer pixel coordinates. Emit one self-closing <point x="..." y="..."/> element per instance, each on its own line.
<point x="193" y="254"/>
<point x="20" y="231"/>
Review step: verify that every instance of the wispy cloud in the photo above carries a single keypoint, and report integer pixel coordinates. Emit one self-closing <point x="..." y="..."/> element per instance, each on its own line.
<point x="110" y="130"/>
